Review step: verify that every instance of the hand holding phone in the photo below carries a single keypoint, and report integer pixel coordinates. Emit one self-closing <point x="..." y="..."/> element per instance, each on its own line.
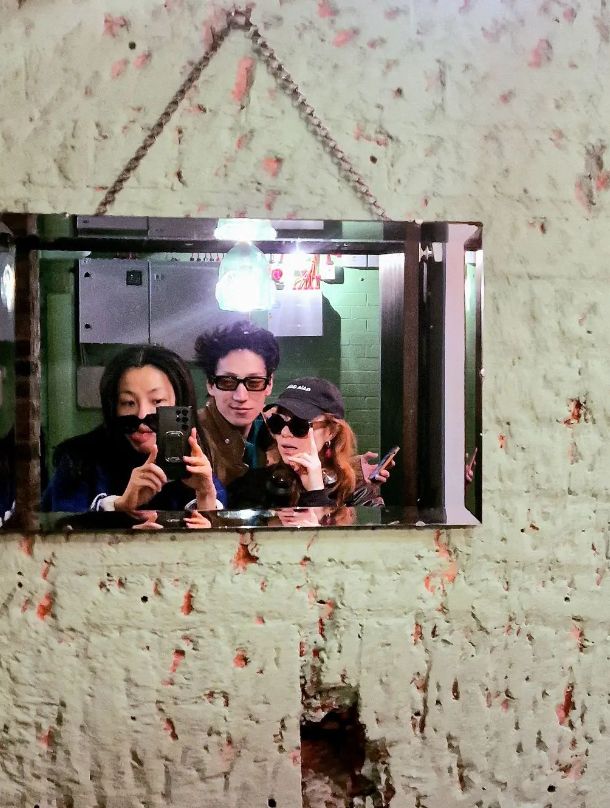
<point x="384" y="462"/>
<point x="175" y="425"/>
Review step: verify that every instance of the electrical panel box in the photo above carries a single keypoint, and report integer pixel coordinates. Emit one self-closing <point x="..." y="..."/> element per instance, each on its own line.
<point x="296" y="313"/>
<point x="113" y="301"/>
<point x="125" y="301"/>
<point x="183" y="304"/>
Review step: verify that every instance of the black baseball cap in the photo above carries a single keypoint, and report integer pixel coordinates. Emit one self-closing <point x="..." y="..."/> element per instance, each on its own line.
<point x="309" y="397"/>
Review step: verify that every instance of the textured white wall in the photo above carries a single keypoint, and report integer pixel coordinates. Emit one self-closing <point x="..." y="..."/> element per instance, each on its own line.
<point x="497" y="637"/>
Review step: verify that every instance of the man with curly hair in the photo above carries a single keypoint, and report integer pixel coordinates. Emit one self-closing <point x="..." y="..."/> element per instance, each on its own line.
<point x="239" y="361"/>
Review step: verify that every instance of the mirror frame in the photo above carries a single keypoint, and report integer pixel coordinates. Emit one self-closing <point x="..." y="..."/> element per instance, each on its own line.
<point x="414" y="304"/>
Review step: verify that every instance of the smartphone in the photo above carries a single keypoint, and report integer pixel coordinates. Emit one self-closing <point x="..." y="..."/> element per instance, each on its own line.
<point x="175" y="425"/>
<point x="384" y="462"/>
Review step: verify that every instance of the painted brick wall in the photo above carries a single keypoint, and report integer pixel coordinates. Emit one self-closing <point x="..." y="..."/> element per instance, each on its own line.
<point x="477" y="662"/>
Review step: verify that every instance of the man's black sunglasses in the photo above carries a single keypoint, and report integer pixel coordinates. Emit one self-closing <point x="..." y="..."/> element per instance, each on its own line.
<point x="253" y="384"/>
<point x="298" y="427"/>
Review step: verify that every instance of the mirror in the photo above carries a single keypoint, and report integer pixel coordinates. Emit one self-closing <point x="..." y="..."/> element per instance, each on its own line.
<point x="389" y="312"/>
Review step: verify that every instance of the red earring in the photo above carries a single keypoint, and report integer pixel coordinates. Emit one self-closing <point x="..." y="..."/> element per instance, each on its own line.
<point x="327" y="451"/>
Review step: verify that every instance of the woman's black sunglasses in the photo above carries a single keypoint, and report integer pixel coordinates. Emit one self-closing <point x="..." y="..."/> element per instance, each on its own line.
<point x="298" y="427"/>
<point x="253" y="384"/>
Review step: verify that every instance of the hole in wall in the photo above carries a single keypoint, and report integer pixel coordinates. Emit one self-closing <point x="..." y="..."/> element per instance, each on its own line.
<point x="337" y="756"/>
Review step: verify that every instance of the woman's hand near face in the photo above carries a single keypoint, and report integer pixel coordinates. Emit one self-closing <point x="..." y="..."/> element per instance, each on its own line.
<point x="200" y="479"/>
<point x="307" y="465"/>
<point x="145" y="481"/>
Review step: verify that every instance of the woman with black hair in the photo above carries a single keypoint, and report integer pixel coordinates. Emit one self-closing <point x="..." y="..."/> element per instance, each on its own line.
<point x="112" y="468"/>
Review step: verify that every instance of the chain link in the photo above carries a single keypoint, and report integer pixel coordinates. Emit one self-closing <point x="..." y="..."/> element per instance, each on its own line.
<point x="239" y="18"/>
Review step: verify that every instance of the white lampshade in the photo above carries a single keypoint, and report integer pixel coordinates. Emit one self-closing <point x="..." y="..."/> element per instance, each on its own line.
<point x="244" y="283"/>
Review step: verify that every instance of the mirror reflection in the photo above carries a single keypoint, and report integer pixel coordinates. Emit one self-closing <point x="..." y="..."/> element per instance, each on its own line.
<point x="231" y="366"/>
<point x="7" y="374"/>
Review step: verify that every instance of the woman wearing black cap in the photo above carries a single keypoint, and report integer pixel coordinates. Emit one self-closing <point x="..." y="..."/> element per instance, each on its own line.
<point x="316" y="448"/>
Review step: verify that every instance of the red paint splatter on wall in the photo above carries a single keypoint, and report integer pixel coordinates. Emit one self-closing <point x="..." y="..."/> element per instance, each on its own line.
<point x="295" y="757"/>
<point x="575" y="769"/>
<point x="272" y="165"/>
<point x="494" y="33"/>
<point x="602" y="181"/>
<point x="142" y="60"/>
<point x="344" y="37"/>
<point x="270" y="199"/>
<point x="326" y="9"/>
<point x="507" y="97"/>
<point x="417" y="633"/>
<point x="329" y="608"/>
<point x="118" y="68"/>
<point x="302" y="649"/>
<point x="47" y="738"/>
<point x="241" y="659"/>
<point x="502" y="441"/>
<point x="541" y="55"/>
<point x="563" y="710"/>
<point x="177" y="660"/>
<point x="228" y="752"/>
<point x="259" y="620"/>
<point x="381" y="137"/>
<point x="441" y="548"/>
<point x="44" y="573"/>
<point x="168" y="726"/>
<point x="569" y="14"/>
<point x="321" y="628"/>
<point x="26" y="605"/>
<point x="43" y="609"/>
<point x="243" y="140"/>
<point x="577" y="411"/>
<point x="187" y="602"/>
<point x="243" y="558"/>
<point x="583" y="193"/>
<point x="578" y="634"/>
<point x="26" y="545"/>
<point x="263" y="585"/>
<point x="156" y="587"/>
<point x="557" y="136"/>
<point x="112" y="25"/>
<point x="243" y="79"/>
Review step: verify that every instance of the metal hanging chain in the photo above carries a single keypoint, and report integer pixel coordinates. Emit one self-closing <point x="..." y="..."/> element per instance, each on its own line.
<point x="240" y="19"/>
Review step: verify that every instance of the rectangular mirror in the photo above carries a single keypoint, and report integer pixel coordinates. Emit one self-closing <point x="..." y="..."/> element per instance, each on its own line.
<point x="389" y="312"/>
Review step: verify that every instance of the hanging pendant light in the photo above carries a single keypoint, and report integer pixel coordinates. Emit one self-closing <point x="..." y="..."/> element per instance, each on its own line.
<point x="244" y="277"/>
<point x="244" y="280"/>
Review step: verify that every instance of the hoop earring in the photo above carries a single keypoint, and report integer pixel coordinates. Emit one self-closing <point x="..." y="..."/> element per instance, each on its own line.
<point x="327" y="451"/>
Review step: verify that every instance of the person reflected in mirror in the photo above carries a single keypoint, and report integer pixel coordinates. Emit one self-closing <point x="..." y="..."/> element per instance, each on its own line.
<point x="239" y="361"/>
<point x="316" y="448"/>
<point x="112" y="468"/>
<point x="314" y="517"/>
